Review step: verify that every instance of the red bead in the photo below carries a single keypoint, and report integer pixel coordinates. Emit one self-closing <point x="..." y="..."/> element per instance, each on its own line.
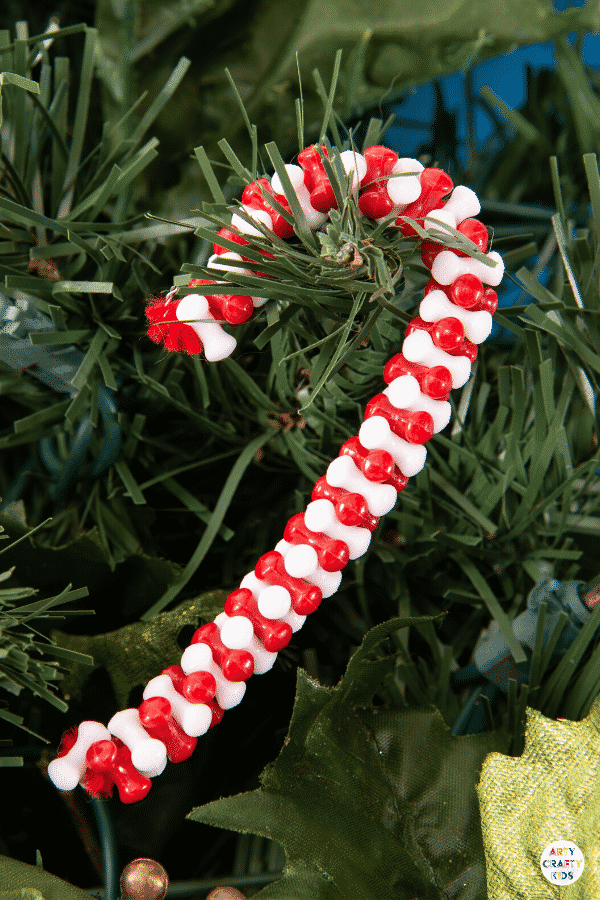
<point x="306" y="597"/>
<point x="470" y="228"/>
<point x="374" y="200"/>
<point x="319" y="187"/>
<point x="217" y="713"/>
<point x="361" y="456"/>
<point x="256" y="196"/>
<point x="229" y="235"/>
<point x="435" y="381"/>
<point x="435" y="184"/>
<point x="350" y="509"/>
<point x="489" y="301"/>
<point x="101" y="758"/>
<point x="333" y="555"/>
<point x="273" y="634"/>
<point x="447" y="334"/>
<point x="233" y="308"/>
<point x="198" y="687"/>
<point x="414" y="427"/>
<point x="236" y="665"/>
<point x="113" y="763"/>
<point x="155" y="716"/>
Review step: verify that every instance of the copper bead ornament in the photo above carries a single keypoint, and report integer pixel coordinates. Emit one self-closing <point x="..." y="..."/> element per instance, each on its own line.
<point x="226" y="893"/>
<point x="144" y="879"/>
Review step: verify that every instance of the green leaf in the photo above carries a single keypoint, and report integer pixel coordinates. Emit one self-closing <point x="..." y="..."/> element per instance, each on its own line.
<point x="20" y="881"/>
<point x="367" y="802"/>
<point x="525" y="806"/>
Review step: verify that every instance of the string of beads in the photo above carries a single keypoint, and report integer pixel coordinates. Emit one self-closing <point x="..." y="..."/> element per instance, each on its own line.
<point x="362" y="484"/>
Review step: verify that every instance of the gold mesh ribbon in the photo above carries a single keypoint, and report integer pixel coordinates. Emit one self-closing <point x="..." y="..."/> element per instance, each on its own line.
<point x="550" y="793"/>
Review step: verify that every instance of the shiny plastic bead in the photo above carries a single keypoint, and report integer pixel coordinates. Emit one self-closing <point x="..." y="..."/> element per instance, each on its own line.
<point x="405" y="188"/>
<point x="233" y="308"/>
<point x="109" y="763"/>
<point x="355" y="164"/>
<point x="198" y="658"/>
<point x="342" y="472"/>
<point x="434" y="381"/>
<point x="236" y="665"/>
<point x="376" y="434"/>
<point x="418" y="347"/>
<point x="314" y="218"/>
<point x="264" y="660"/>
<point x="398" y="395"/>
<point x="320" y="516"/>
<point x="321" y="193"/>
<point x="447" y="267"/>
<point x="229" y="235"/>
<point x="332" y="555"/>
<point x="415" y="427"/>
<point x="217" y="344"/>
<point x="472" y="229"/>
<point x="306" y="597"/>
<point x="435" y="184"/>
<point x="193" y="718"/>
<point x="350" y="509"/>
<point x="464" y="348"/>
<point x="447" y="334"/>
<point x="468" y="292"/>
<point x="436" y="305"/>
<point x="67" y="770"/>
<point x="463" y="203"/>
<point x="274" y="635"/>
<point x="156" y="717"/>
<point x="256" y="196"/>
<point x="327" y="582"/>
<point x="373" y="463"/>
<point x="148" y="755"/>
<point x="197" y="687"/>
<point x="375" y="201"/>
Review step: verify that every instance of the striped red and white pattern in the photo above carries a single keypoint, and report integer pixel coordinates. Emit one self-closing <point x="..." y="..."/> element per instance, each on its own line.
<point x="362" y="484"/>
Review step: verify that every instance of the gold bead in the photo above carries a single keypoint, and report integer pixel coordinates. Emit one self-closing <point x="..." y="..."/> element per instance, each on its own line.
<point x="144" y="879"/>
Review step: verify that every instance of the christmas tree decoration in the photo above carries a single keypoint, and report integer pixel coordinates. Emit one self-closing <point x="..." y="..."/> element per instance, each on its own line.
<point x="395" y="429"/>
<point x="144" y="879"/>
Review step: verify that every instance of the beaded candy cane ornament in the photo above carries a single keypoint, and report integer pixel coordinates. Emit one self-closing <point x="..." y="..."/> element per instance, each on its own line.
<point x="361" y="485"/>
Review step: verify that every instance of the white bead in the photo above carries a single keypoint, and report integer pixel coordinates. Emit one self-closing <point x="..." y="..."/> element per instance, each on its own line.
<point x="462" y="204"/>
<point x="418" y="347"/>
<point x="148" y="755"/>
<point x="439" y="410"/>
<point x="301" y="561"/>
<point x="320" y="517"/>
<point x="68" y="770"/>
<point x="217" y="343"/>
<point x="199" y="658"/>
<point x="327" y="582"/>
<point x="264" y="660"/>
<point x="343" y="473"/>
<point x="436" y="306"/>
<point x="376" y="434"/>
<point x="236" y="631"/>
<point x="356" y="164"/>
<point x="259" y="215"/>
<point x="447" y="267"/>
<point x="405" y="189"/>
<point x="193" y="718"/>
<point x="274" y="601"/>
<point x="313" y="217"/>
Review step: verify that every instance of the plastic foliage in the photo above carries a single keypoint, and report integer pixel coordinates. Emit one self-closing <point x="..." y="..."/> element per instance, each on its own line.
<point x="367" y="801"/>
<point x="21" y="643"/>
<point x="549" y="793"/>
<point x="20" y="881"/>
